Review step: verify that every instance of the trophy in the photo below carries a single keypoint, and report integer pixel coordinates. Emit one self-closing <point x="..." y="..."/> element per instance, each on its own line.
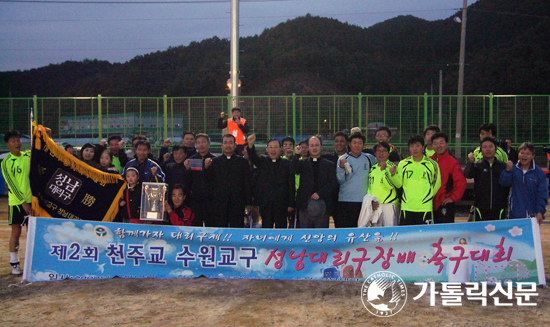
<point x="152" y="201"/>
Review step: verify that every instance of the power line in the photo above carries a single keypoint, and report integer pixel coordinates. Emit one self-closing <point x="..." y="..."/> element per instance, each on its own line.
<point x="111" y="19"/>
<point x="134" y="2"/>
<point x="52" y="50"/>
<point x="93" y="40"/>
<point x="219" y="18"/>
<point x="175" y="19"/>
<point x="510" y="13"/>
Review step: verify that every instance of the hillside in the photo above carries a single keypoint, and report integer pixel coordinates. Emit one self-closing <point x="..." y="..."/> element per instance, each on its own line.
<point x="507" y="50"/>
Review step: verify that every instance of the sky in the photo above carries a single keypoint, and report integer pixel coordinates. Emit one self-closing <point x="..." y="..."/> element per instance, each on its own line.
<point x="37" y="33"/>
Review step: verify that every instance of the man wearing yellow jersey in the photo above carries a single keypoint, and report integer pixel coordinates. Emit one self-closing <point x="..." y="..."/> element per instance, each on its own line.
<point x="428" y="133"/>
<point x="421" y="179"/>
<point x="15" y="169"/>
<point x="489" y="130"/>
<point x="383" y="134"/>
<point x="382" y="187"/>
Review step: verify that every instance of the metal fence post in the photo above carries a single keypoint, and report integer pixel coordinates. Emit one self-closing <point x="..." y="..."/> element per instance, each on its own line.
<point x="294" y="116"/>
<point x="491" y="96"/>
<point x="165" y="104"/>
<point x="318" y="116"/>
<point x="367" y="116"/>
<point x="10" y="116"/>
<point x="530" y="129"/>
<point x="254" y="115"/>
<point x="359" y="104"/>
<point x="99" y="122"/>
<point x="268" y="118"/>
<point x="425" y="110"/>
<point x="35" y="109"/>
<point x="229" y="99"/>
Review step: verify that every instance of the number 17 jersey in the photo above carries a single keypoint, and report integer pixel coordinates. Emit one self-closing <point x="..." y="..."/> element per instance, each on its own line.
<point x="420" y="181"/>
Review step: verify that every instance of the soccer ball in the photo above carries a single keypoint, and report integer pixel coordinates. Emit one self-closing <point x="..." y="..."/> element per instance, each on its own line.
<point x="423" y="258"/>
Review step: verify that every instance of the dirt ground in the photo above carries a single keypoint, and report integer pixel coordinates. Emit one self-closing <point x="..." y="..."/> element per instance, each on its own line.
<point x="213" y="302"/>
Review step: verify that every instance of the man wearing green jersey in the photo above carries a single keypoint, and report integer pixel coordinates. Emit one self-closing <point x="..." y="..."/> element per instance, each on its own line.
<point x="420" y="178"/>
<point x="489" y="130"/>
<point x="382" y="187"/>
<point x="15" y="169"/>
<point x="428" y="133"/>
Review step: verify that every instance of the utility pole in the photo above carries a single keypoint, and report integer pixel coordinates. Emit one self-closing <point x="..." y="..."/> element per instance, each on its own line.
<point x="460" y="99"/>
<point x="234" y="73"/>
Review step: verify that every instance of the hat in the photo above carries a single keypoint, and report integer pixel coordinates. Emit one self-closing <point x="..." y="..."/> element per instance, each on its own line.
<point x="236" y="108"/>
<point x="316" y="208"/>
<point x="133" y="169"/>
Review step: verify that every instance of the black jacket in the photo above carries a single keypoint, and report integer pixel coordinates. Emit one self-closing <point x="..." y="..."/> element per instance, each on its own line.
<point x="132" y="203"/>
<point x="326" y="182"/>
<point x="488" y="192"/>
<point x="189" y="152"/>
<point x="332" y="157"/>
<point x="174" y="173"/>
<point x="274" y="182"/>
<point x="229" y="183"/>
<point x="195" y="182"/>
<point x="512" y="155"/>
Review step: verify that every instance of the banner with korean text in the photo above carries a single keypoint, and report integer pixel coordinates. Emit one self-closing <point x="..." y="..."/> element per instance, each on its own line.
<point x="494" y="251"/>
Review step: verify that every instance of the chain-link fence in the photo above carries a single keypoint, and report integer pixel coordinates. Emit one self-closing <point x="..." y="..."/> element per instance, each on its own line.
<point x="83" y="119"/>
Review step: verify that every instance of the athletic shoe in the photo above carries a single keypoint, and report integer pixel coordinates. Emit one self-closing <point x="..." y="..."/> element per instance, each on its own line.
<point x="16" y="269"/>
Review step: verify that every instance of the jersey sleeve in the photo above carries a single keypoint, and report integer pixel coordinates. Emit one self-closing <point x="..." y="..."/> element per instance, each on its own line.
<point x="396" y="179"/>
<point x="437" y="177"/>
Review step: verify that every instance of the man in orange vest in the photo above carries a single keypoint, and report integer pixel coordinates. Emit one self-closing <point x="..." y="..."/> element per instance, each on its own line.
<point x="236" y="126"/>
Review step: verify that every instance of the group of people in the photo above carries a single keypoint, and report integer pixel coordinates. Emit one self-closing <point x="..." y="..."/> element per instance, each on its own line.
<point x="356" y="185"/>
<point x="291" y="184"/>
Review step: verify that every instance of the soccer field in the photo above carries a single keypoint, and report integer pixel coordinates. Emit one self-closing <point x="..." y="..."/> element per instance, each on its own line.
<point x="209" y="302"/>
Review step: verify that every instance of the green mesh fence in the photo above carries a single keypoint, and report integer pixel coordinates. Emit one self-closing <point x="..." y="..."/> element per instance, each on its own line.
<point x="83" y="119"/>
